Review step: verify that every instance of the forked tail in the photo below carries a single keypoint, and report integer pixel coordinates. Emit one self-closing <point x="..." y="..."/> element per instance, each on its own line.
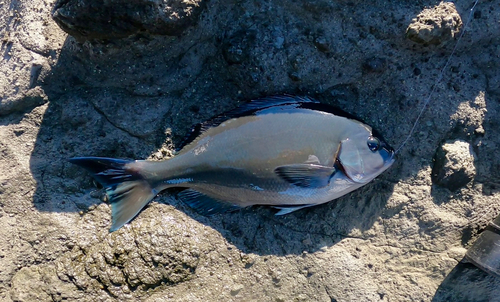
<point x="127" y="189"/>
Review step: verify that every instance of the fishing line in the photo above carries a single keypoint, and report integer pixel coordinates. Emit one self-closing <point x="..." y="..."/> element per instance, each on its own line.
<point x="440" y="77"/>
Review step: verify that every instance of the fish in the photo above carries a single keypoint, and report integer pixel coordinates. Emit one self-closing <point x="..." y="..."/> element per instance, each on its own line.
<point x="287" y="152"/>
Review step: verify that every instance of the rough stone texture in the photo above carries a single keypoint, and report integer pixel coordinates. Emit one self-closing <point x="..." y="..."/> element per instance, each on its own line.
<point x="400" y="238"/>
<point x="454" y="165"/>
<point x="28" y="50"/>
<point x="164" y="251"/>
<point x="111" y="19"/>
<point x="435" y="25"/>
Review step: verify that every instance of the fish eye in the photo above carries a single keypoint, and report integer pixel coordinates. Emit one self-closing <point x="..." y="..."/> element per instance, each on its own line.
<point x="373" y="143"/>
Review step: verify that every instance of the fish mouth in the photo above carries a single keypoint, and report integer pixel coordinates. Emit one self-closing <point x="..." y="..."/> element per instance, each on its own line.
<point x="390" y="158"/>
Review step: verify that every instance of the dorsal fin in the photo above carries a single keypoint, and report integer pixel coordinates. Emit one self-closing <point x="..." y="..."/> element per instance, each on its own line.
<point x="252" y="107"/>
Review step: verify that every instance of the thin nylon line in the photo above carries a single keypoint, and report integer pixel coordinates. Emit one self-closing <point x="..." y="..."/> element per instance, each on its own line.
<point x="440" y="77"/>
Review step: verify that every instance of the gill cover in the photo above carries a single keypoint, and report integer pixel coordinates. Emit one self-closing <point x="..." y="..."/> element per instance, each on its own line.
<point x="364" y="157"/>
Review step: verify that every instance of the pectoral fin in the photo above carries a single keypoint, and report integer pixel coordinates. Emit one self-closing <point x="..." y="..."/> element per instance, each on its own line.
<point x="306" y="175"/>
<point x="203" y="204"/>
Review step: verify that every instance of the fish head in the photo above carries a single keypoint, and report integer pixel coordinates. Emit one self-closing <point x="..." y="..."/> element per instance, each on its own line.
<point x="364" y="155"/>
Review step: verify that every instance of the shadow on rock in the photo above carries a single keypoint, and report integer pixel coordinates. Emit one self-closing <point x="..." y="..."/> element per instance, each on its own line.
<point x="136" y="97"/>
<point x="257" y="230"/>
<point x="87" y="119"/>
<point x="468" y="283"/>
<point x="101" y="115"/>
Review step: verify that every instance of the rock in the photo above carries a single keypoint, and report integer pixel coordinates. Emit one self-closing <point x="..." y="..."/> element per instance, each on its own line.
<point x="91" y="19"/>
<point x="236" y="289"/>
<point x="322" y="44"/>
<point x="237" y="49"/>
<point x="295" y="76"/>
<point x="454" y="165"/>
<point x="342" y="93"/>
<point x="145" y="256"/>
<point x="137" y="97"/>
<point x="377" y="65"/>
<point x="130" y="116"/>
<point x="435" y="25"/>
<point x="31" y="98"/>
<point x="40" y="283"/>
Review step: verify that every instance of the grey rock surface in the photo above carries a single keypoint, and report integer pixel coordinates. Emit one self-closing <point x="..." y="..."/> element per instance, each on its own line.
<point x="400" y="238"/>
<point x="454" y="165"/>
<point x="435" y="25"/>
<point x="111" y="19"/>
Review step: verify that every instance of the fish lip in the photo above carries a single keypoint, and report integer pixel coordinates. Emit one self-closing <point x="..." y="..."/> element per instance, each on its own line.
<point x="391" y="158"/>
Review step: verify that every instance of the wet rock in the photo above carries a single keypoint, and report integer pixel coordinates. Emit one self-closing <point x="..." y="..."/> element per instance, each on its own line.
<point x="435" y="25"/>
<point x="454" y="165"/>
<point x="91" y="19"/>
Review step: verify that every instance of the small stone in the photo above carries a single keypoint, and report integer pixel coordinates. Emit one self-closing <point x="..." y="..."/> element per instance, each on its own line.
<point x="479" y="130"/>
<point x="280" y="299"/>
<point x="322" y="44"/>
<point x="454" y="165"/>
<point x="278" y="42"/>
<point x="295" y="76"/>
<point x="34" y="73"/>
<point x="236" y="289"/>
<point x="436" y="25"/>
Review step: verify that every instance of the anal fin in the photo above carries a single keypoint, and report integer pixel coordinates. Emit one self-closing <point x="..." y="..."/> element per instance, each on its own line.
<point x="204" y="204"/>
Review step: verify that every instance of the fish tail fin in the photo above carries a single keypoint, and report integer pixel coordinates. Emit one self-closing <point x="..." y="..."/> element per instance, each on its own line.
<point x="127" y="189"/>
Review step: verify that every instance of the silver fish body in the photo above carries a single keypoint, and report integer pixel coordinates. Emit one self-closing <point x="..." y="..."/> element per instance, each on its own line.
<point x="286" y="152"/>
